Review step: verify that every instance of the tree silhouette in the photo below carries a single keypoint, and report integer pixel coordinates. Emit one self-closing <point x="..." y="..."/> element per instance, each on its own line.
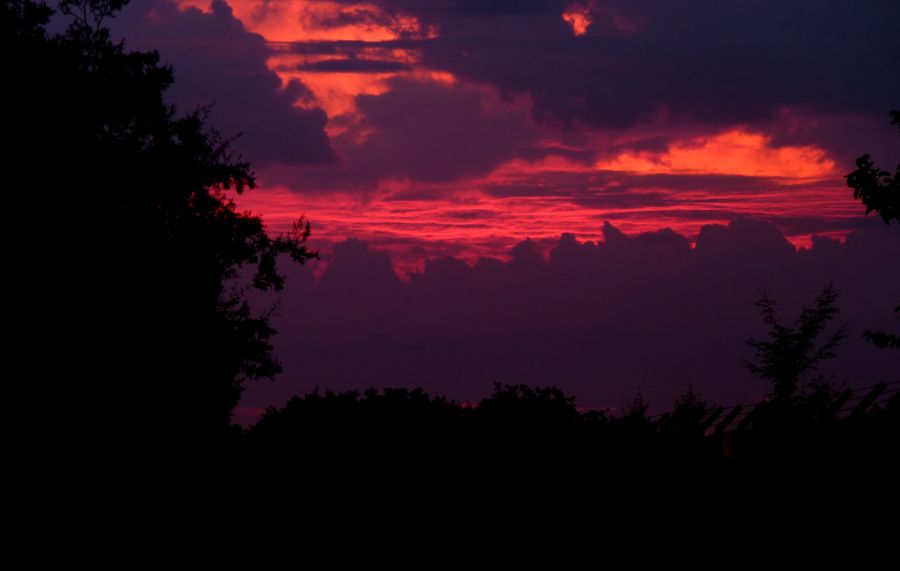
<point x="689" y="412"/>
<point x="523" y="408"/>
<point x="128" y="249"/>
<point x="878" y="190"/>
<point x="884" y="340"/>
<point x="790" y="354"/>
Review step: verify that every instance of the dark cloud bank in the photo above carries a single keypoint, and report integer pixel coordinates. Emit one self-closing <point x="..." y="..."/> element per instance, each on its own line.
<point x="217" y="61"/>
<point x="598" y="320"/>
<point x="718" y="62"/>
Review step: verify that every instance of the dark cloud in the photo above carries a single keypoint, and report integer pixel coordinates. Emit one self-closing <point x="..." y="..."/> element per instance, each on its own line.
<point x="794" y="225"/>
<point x="359" y="15"/>
<point x="521" y="189"/>
<point x="217" y="61"/>
<point x="600" y="189"/>
<point x="623" y="199"/>
<point x="430" y="131"/>
<point x="844" y="136"/>
<point x="719" y="62"/>
<point x="354" y="65"/>
<point x="423" y="131"/>
<point x="478" y="214"/>
<point x="343" y="47"/>
<point x="599" y="320"/>
<point x="722" y="184"/>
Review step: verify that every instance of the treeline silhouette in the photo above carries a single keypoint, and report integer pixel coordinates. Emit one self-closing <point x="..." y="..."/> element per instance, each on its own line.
<point x="519" y="429"/>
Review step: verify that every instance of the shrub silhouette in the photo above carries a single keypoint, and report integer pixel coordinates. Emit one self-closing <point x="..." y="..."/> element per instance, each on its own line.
<point x="790" y="355"/>
<point x="690" y="410"/>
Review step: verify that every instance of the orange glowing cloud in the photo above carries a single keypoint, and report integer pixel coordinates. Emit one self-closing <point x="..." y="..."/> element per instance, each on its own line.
<point x="735" y="152"/>
<point x="289" y="22"/>
<point x="586" y="13"/>
<point x="320" y="20"/>
<point x="579" y="17"/>
<point x="336" y="91"/>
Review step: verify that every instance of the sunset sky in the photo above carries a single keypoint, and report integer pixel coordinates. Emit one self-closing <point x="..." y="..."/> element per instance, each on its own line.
<point x="427" y="129"/>
<point x="460" y="127"/>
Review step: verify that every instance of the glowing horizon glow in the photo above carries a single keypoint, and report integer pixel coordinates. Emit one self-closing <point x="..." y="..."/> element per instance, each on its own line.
<point x="472" y="224"/>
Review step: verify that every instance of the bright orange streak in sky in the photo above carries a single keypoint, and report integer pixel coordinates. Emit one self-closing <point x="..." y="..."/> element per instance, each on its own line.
<point x="734" y="152"/>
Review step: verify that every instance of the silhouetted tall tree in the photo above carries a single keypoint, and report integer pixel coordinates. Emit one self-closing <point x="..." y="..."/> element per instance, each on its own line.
<point x="125" y="244"/>
<point x="790" y="354"/>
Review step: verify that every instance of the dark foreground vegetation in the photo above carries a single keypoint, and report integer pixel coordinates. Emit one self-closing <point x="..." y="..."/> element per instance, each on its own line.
<point x="527" y="430"/>
<point x="133" y="343"/>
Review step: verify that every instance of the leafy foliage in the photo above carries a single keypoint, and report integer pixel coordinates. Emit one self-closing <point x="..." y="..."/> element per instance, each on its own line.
<point x="690" y="411"/>
<point x="790" y="353"/>
<point x="879" y="190"/>
<point x="134" y="245"/>
<point x="884" y="340"/>
<point x="524" y="407"/>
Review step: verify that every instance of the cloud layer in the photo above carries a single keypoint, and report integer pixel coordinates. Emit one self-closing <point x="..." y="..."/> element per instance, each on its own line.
<point x="600" y="320"/>
<point x="647" y="114"/>
<point x="715" y="62"/>
<point x="218" y="62"/>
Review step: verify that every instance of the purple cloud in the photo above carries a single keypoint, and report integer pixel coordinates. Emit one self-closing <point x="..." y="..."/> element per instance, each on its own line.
<point x="599" y="320"/>
<point x="699" y="60"/>
<point x="217" y="61"/>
